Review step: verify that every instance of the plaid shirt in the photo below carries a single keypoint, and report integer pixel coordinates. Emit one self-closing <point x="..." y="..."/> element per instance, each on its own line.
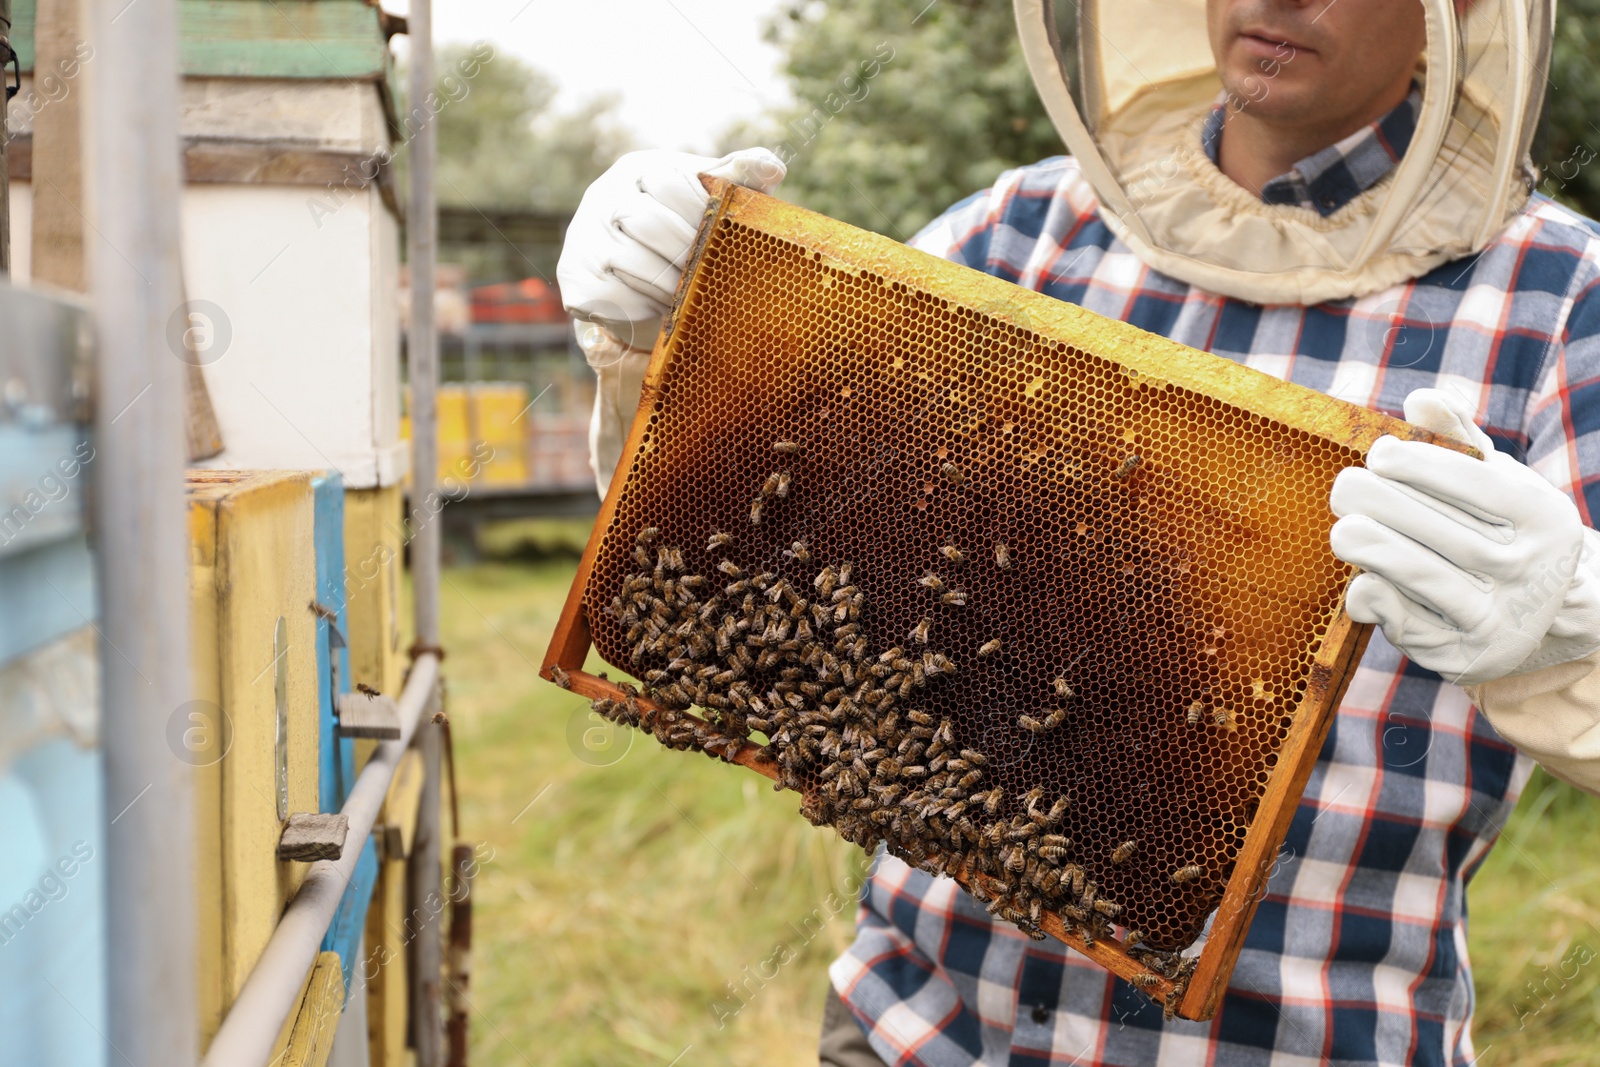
<point x="1325" y="181"/>
<point x="1358" y="953"/>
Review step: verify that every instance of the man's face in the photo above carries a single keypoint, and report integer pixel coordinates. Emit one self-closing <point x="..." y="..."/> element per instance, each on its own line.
<point x="1316" y="62"/>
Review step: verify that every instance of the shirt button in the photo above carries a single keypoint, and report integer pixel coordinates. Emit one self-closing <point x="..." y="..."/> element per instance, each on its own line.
<point x="1041" y="1014"/>
<point x="1329" y="202"/>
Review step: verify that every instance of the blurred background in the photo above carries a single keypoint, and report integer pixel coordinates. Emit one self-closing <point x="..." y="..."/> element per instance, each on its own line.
<point x="634" y="894"/>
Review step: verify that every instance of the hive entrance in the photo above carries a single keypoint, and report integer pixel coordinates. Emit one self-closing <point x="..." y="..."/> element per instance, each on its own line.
<point x="1038" y="599"/>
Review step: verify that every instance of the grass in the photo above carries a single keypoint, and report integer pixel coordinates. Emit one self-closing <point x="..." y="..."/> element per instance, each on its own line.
<point x="645" y="907"/>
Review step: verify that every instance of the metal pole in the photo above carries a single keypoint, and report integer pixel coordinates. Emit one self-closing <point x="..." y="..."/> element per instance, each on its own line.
<point x="140" y="539"/>
<point x="422" y="223"/>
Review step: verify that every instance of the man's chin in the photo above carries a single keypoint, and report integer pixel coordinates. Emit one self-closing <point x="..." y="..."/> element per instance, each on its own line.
<point x="1272" y="100"/>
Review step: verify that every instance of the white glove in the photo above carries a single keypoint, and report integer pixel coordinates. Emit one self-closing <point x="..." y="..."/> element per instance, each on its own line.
<point x="1476" y="569"/>
<point x="630" y="238"/>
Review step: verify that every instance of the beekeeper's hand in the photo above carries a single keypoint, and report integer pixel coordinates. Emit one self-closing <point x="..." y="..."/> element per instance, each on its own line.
<point x="627" y="244"/>
<point x="1476" y="569"/>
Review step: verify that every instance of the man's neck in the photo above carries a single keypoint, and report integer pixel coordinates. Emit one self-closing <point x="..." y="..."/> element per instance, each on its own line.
<point x="1254" y="149"/>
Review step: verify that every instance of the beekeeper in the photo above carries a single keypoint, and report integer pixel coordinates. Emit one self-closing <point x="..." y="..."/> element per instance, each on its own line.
<point x="1336" y="192"/>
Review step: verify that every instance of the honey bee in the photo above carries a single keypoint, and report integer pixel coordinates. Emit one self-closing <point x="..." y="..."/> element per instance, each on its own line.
<point x="1196" y="709"/>
<point x="788" y="448"/>
<point x="953" y="554"/>
<point x="770" y="486"/>
<point x="919" y="632"/>
<point x="1002" y="555"/>
<point x="956" y="598"/>
<point x="718" y="540"/>
<point x="952" y="474"/>
<point x="1057" y="810"/>
<point x="755" y="510"/>
<point x="970" y="779"/>
<point x="1055" y="841"/>
<point x="1126" y="467"/>
<point x="642" y="557"/>
<point x="1063" y="690"/>
<point x="974" y="757"/>
<point x="1184" y="875"/>
<point x="825" y="582"/>
<point x="921" y="718"/>
<point x="1145" y="980"/>
<point x="992" y="802"/>
<point x="559" y="676"/>
<point x="1044" y="725"/>
<point x="1224" y="718"/>
<point x="1133" y="938"/>
<point x="366" y="690"/>
<point x="648" y="535"/>
<point x="1054" y="853"/>
<point x="989" y="648"/>
<point x="784" y="478"/>
<point x="800" y="551"/>
<point x="730" y="568"/>
<point x="1124" y="852"/>
<point x="932" y="582"/>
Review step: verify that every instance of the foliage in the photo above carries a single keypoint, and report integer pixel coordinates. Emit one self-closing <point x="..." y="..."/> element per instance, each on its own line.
<point x="950" y="107"/>
<point x="503" y="143"/>
<point x="1569" y="150"/>
<point x="955" y="106"/>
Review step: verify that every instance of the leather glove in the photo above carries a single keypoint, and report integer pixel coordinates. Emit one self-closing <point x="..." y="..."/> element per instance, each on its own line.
<point x="630" y="238"/>
<point x="1476" y="569"/>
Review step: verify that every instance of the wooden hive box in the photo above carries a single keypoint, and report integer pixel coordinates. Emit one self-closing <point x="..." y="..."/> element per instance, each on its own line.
<point x="252" y="582"/>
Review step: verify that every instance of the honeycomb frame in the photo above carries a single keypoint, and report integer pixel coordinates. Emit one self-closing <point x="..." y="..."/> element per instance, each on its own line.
<point x="1301" y="438"/>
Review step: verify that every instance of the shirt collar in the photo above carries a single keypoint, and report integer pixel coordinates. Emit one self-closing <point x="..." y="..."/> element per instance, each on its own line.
<point x="1326" y="181"/>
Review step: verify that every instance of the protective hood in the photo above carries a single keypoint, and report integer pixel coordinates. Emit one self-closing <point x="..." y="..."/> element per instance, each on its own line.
<point x="1145" y="81"/>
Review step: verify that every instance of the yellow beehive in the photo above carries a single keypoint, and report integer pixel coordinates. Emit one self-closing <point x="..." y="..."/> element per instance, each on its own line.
<point x="252" y="581"/>
<point x="500" y="434"/>
<point x="374" y="547"/>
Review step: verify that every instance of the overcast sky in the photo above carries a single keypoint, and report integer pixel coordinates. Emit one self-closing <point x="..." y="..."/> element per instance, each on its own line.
<point x="684" y="69"/>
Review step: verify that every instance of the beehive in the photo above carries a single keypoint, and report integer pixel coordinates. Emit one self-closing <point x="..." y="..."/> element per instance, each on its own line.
<point x="1119" y="543"/>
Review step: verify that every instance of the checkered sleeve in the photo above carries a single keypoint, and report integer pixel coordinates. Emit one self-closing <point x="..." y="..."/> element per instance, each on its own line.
<point x="1553" y="714"/>
<point x="1563" y="417"/>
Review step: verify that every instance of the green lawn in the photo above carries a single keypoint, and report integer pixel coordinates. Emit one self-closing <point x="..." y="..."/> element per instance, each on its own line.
<point x="643" y="905"/>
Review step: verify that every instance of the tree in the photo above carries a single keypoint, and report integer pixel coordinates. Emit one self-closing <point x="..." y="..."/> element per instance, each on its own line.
<point x="894" y="126"/>
<point x="502" y="142"/>
<point x="951" y="105"/>
<point x="1570" y="142"/>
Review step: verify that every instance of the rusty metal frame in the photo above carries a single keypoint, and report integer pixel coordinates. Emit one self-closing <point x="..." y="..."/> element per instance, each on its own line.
<point x="1155" y="358"/>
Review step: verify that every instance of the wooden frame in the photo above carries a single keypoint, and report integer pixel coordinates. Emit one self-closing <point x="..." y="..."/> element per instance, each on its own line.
<point x="1146" y="354"/>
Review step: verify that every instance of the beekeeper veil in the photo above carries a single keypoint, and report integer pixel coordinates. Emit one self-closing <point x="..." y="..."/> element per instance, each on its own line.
<point x="1130" y="83"/>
